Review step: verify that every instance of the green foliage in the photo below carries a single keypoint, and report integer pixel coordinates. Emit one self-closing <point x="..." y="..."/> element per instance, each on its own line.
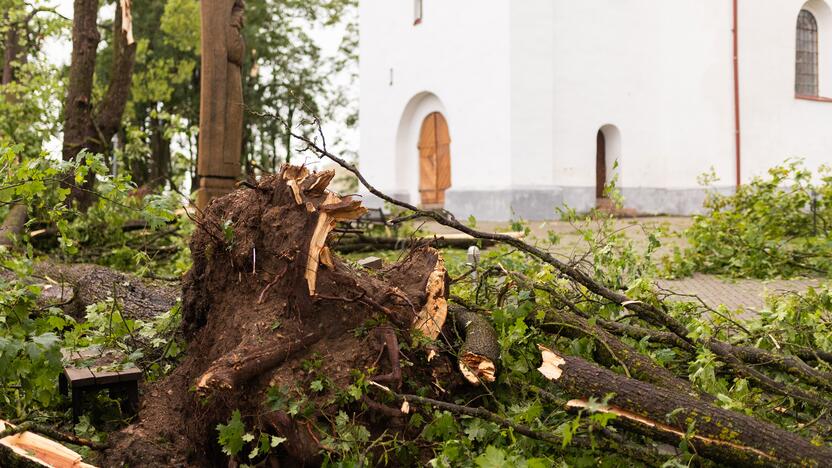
<point x="32" y="335"/>
<point x="776" y="226"/>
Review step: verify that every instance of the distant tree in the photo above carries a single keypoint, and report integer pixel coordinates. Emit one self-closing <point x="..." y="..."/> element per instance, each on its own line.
<point x="88" y="124"/>
<point x="28" y="89"/>
<point x="29" y="86"/>
<point x="287" y="75"/>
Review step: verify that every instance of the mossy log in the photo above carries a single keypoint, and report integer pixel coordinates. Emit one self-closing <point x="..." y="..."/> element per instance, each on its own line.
<point x="611" y="351"/>
<point x="664" y="414"/>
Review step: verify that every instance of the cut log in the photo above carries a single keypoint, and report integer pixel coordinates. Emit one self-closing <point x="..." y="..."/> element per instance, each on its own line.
<point x="480" y="351"/>
<point x="27" y="449"/>
<point x="664" y="414"/>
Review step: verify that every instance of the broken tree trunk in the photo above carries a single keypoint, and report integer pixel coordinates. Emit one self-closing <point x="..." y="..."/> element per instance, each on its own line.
<point x="664" y="414"/>
<point x="480" y="350"/>
<point x="25" y="449"/>
<point x="265" y="295"/>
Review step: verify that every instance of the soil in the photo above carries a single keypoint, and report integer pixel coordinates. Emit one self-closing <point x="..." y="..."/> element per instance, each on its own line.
<point x="252" y="325"/>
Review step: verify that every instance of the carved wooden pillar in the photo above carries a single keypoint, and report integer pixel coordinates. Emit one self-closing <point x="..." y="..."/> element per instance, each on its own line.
<point x="221" y="98"/>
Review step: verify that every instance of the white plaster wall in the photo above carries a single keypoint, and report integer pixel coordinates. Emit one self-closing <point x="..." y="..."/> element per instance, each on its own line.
<point x="532" y="93"/>
<point x="660" y="72"/>
<point x="525" y="86"/>
<point x="775" y="125"/>
<point x="455" y="61"/>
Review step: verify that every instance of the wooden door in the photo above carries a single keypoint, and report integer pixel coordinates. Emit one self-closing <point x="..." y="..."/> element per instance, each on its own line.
<point x="434" y="160"/>
<point x="600" y="164"/>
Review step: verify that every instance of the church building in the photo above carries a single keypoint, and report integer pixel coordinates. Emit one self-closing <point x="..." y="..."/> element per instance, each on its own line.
<point x="501" y="108"/>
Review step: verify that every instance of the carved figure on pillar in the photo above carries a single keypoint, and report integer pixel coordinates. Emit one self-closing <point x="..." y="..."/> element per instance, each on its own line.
<point x="221" y="98"/>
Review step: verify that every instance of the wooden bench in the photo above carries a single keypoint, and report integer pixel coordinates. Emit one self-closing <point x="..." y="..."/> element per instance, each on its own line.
<point x="95" y="377"/>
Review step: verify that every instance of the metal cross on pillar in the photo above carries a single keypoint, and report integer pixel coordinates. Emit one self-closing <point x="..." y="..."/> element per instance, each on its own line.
<point x="221" y="98"/>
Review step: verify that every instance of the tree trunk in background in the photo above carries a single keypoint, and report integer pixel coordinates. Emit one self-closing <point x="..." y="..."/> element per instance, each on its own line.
<point x="83" y="129"/>
<point x="13" y="55"/>
<point x="159" y="153"/>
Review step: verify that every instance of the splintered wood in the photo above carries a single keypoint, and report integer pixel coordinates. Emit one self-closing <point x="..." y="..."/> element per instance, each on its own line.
<point x="39" y="450"/>
<point x="332" y="210"/>
<point x="550" y="368"/>
<point x="476" y="368"/>
<point x="432" y="316"/>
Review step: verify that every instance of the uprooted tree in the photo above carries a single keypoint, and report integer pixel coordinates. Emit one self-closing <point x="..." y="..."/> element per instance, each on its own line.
<point x="262" y="299"/>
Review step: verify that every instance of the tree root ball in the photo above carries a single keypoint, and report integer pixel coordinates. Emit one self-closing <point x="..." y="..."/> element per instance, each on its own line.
<point x="260" y="315"/>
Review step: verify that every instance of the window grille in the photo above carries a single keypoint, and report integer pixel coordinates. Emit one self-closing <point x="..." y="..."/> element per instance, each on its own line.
<point x="806" y="65"/>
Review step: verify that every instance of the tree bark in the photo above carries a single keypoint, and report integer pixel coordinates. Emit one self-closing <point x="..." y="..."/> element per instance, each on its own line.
<point x="83" y="129"/>
<point x="480" y="350"/>
<point x="665" y="414"/>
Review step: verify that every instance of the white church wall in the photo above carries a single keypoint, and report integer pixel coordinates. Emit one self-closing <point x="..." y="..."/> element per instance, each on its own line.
<point x="525" y="87"/>
<point x="455" y="61"/>
<point x="660" y="72"/>
<point x="775" y="124"/>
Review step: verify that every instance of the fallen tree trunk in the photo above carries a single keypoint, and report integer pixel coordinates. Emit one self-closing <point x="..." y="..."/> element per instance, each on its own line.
<point x="713" y="432"/>
<point x="613" y="352"/>
<point x="74" y="286"/>
<point x="78" y="285"/>
<point x="362" y="243"/>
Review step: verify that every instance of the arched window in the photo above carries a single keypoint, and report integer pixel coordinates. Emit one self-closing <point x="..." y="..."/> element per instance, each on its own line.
<point x="806" y="64"/>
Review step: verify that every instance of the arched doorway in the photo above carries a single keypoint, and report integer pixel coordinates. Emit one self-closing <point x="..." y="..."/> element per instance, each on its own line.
<point x="600" y="167"/>
<point x="607" y="163"/>
<point x="434" y="160"/>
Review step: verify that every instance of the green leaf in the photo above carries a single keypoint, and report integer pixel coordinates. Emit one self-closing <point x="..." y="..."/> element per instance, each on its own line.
<point x="231" y="434"/>
<point x="492" y="458"/>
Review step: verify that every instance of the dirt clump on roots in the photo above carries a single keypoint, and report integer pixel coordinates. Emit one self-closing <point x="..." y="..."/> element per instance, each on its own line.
<point x="266" y="305"/>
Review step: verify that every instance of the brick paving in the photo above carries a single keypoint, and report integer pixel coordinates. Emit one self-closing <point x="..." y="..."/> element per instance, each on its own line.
<point x="745" y="294"/>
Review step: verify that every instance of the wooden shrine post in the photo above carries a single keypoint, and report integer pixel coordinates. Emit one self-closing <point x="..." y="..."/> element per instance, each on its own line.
<point x="221" y="98"/>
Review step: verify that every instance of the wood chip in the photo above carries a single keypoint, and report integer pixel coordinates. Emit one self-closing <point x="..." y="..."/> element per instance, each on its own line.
<point x="550" y="368"/>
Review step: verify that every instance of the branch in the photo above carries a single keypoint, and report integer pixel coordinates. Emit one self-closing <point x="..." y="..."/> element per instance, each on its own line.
<point x="646" y="311"/>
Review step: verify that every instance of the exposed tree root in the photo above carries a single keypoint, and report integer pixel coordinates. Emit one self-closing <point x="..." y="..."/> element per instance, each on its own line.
<point x="255" y="326"/>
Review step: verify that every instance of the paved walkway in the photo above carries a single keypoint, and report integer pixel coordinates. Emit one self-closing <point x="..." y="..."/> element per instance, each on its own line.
<point x="746" y="294"/>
